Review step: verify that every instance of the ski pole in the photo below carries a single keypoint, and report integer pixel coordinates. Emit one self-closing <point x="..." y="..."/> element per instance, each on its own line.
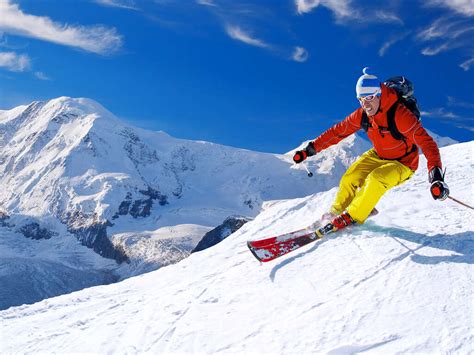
<point x="307" y="170"/>
<point x="461" y="203"/>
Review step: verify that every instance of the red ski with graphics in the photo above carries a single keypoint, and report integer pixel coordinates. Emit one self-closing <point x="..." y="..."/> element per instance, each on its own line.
<point x="274" y="247"/>
<point x="271" y="248"/>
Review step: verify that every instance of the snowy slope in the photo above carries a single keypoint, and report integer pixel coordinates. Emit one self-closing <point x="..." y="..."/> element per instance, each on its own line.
<point x="402" y="283"/>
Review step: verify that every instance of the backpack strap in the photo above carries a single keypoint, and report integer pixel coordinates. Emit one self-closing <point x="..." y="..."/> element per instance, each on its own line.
<point x="364" y="123"/>
<point x="391" y="123"/>
<point x="392" y="128"/>
<point x="396" y="133"/>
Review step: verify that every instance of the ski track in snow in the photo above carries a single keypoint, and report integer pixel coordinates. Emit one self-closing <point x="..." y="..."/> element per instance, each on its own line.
<point x="401" y="283"/>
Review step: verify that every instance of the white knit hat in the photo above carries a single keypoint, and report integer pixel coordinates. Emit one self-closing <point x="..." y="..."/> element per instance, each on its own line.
<point x="368" y="84"/>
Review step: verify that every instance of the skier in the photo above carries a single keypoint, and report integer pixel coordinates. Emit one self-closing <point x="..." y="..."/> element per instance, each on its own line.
<point x="389" y="163"/>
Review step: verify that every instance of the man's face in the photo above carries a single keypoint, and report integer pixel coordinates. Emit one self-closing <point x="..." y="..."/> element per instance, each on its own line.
<point x="370" y="104"/>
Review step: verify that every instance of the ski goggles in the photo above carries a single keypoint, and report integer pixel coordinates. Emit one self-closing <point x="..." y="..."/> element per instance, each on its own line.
<point x="367" y="98"/>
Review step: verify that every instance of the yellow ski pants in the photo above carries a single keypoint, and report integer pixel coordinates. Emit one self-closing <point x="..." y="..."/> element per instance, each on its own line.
<point x="365" y="182"/>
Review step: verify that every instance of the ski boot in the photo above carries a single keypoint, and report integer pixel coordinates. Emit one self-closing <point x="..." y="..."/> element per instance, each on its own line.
<point x="339" y="222"/>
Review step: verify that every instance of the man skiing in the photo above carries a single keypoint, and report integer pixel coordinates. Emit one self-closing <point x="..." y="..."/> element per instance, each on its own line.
<point x="392" y="160"/>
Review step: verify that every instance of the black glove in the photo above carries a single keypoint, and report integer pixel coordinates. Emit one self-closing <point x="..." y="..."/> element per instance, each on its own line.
<point x="439" y="189"/>
<point x="301" y="155"/>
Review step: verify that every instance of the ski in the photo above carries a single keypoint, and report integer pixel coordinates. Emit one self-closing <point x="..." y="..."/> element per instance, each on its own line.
<point x="270" y="252"/>
<point x="282" y="238"/>
<point x="271" y="248"/>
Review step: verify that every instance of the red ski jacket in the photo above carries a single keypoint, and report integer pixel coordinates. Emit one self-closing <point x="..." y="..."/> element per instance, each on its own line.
<point x="385" y="145"/>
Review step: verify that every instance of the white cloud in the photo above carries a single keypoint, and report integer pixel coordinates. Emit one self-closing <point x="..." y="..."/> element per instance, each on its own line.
<point x="434" y="50"/>
<point x="467" y="64"/>
<point x="446" y="27"/>
<point x="448" y="116"/>
<point x="97" y="39"/>
<point x="384" y="16"/>
<point x="445" y="34"/>
<point x="341" y="8"/>
<point x="122" y="4"/>
<point x="469" y="128"/>
<point x="206" y="2"/>
<point x="305" y="6"/>
<point x="238" y="34"/>
<point x="14" y="62"/>
<point x="300" y="55"/>
<point x="390" y="43"/>
<point x="452" y="101"/>
<point x="440" y="112"/>
<point x="42" y="76"/>
<point x="465" y="7"/>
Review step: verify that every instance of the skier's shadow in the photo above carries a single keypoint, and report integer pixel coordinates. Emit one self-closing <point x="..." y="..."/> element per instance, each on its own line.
<point x="300" y="255"/>
<point x="461" y="243"/>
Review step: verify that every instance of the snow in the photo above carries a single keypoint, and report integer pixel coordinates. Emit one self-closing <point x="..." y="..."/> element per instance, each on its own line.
<point x="401" y="283"/>
<point x="32" y="270"/>
<point x="150" y="250"/>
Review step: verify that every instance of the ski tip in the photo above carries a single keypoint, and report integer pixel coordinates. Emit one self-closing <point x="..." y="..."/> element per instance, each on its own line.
<point x="252" y="250"/>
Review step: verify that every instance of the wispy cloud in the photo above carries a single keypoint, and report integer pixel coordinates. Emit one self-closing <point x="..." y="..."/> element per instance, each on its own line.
<point x="450" y="117"/>
<point x="237" y="33"/>
<point x="466" y="127"/>
<point x="384" y="16"/>
<point x="300" y="54"/>
<point x="344" y="10"/>
<point x="436" y="49"/>
<point x="440" y="112"/>
<point x="121" y="4"/>
<point x="464" y="7"/>
<point x="206" y="3"/>
<point x="97" y="39"/>
<point x="341" y="8"/>
<point x="42" y="76"/>
<point x="445" y="34"/>
<point x="467" y="64"/>
<point x="446" y="28"/>
<point x="454" y="102"/>
<point x="391" y="42"/>
<point x="19" y="63"/>
<point x="14" y="62"/>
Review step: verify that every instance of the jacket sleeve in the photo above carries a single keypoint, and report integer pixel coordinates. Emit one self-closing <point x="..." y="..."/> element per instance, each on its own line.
<point x="412" y="129"/>
<point x="339" y="131"/>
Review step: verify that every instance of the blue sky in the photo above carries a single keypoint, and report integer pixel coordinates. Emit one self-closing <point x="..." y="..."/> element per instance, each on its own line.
<point x="262" y="75"/>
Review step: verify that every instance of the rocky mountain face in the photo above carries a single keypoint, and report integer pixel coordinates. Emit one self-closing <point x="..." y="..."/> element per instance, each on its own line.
<point x="218" y="234"/>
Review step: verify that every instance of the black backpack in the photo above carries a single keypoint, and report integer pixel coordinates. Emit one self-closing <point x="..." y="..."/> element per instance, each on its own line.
<point x="405" y="90"/>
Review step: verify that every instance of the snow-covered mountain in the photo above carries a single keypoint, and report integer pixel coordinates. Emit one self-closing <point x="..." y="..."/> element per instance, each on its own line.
<point x="74" y="175"/>
<point x="401" y="283"/>
<point x="72" y="159"/>
<point x="442" y="141"/>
